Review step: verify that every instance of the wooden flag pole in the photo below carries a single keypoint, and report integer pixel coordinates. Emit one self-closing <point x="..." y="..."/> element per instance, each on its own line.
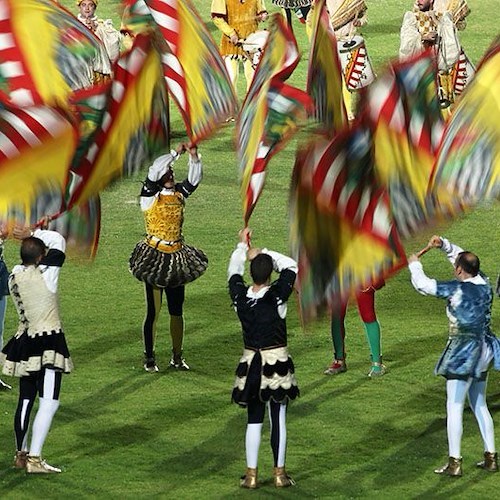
<point x="424" y="251"/>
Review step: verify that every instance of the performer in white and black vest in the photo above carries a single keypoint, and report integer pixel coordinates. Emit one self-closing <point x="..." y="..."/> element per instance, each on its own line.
<point x="265" y="374"/>
<point x="162" y="260"/>
<point x="38" y="353"/>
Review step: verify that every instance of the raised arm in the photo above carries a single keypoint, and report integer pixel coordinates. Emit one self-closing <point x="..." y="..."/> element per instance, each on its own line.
<point x="287" y="269"/>
<point x="195" y="172"/>
<point x="156" y="171"/>
<point x="451" y="250"/>
<point x="53" y="260"/>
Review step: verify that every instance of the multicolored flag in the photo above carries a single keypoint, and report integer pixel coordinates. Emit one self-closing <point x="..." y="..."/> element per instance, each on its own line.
<point x="342" y="230"/>
<point x="403" y="111"/>
<point x="45" y="53"/>
<point x="80" y="226"/>
<point x="194" y="71"/>
<point x="132" y="128"/>
<point x="36" y="147"/>
<point x="324" y="76"/>
<point x="270" y="114"/>
<point x="491" y="51"/>
<point x="467" y="169"/>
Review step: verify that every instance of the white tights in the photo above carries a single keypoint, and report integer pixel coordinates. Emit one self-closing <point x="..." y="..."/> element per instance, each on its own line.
<point x="456" y="391"/>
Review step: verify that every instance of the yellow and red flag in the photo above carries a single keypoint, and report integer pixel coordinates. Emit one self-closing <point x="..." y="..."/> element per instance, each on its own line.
<point x="403" y="111"/>
<point x="467" y="169"/>
<point x="119" y="144"/>
<point x="342" y="230"/>
<point x="324" y="76"/>
<point x="36" y="147"/>
<point x="45" y="53"/>
<point x="270" y="114"/>
<point x="194" y="71"/>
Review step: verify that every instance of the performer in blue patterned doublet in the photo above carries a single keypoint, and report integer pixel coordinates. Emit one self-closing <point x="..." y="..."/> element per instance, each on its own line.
<point x="470" y="349"/>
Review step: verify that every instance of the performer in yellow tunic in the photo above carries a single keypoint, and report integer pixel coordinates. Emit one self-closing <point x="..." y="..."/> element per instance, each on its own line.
<point x="237" y="19"/>
<point x="162" y="260"/>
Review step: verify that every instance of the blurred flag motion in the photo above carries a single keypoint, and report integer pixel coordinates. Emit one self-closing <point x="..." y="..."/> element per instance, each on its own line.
<point x="45" y="52"/>
<point x="324" y="76"/>
<point x="124" y="123"/>
<point x="468" y="163"/>
<point x="36" y="147"/>
<point x="270" y="114"/>
<point x="403" y="110"/>
<point x="342" y="231"/>
<point x="193" y="68"/>
<point x="110" y="130"/>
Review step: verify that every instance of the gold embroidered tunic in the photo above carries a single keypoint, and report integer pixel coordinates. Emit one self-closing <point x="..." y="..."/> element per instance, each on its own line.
<point x="164" y="222"/>
<point x="235" y="16"/>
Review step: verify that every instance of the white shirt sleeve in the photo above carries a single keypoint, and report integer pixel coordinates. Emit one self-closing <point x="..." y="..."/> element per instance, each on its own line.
<point x="451" y="250"/>
<point x="281" y="262"/>
<point x="410" y="39"/>
<point x="53" y="241"/>
<point x="419" y="280"/>
<point x="195" y="172"/>
<point x="155" y="173"/>
<point x="237" y="261"/>
<point x="160" y="165"/>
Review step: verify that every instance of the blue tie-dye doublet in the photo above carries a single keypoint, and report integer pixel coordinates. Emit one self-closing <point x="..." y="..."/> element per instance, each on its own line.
<point x="469" y="314"/>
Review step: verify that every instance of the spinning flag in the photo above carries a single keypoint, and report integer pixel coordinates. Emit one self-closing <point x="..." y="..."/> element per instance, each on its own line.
<point x="194" y="71"/>
<point x="128" y="132"/>
<point x="36" y="146"/>
<point x="467" y="169"/>
<point x="404" y="112"/>
<point x="80" y="226"/>
<point x="341" y="224"/>
<point x="324" y="77"/>
<point x="270" y="113"/>
<point x="45" y="52"/>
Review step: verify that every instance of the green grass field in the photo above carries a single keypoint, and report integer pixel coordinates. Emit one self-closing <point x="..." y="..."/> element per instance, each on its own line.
<point x="123" y="433"/>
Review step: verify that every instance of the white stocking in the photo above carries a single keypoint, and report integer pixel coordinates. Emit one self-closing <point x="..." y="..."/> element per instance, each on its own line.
<point x="477" y="400"/>
<point x="252" y="444"/>
<point x="456" y="391"/>
<point x="41" y="425"/>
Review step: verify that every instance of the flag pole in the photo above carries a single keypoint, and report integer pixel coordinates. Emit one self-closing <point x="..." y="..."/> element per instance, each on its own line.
<point x="424" y="251"/>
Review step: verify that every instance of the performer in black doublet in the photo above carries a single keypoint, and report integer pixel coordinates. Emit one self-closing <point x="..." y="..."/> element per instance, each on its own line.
<point x="265" y="374"/>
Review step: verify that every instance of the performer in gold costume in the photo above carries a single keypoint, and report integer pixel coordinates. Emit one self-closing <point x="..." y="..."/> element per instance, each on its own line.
<point x="237" y="19"/>
<point x="162" y="260"/>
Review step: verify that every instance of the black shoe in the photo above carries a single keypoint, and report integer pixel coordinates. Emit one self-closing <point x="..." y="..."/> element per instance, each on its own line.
<point x="150" y="365"/>
<point x="179" y="363"/>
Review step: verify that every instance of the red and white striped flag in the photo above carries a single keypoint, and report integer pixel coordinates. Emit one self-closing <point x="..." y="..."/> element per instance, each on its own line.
<point x="45" y="52"/>
<point x="270" y="114"/>
<point x="194" y="71"/>
<point x="36" y="147"/>
<point x="129" y="109"/>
